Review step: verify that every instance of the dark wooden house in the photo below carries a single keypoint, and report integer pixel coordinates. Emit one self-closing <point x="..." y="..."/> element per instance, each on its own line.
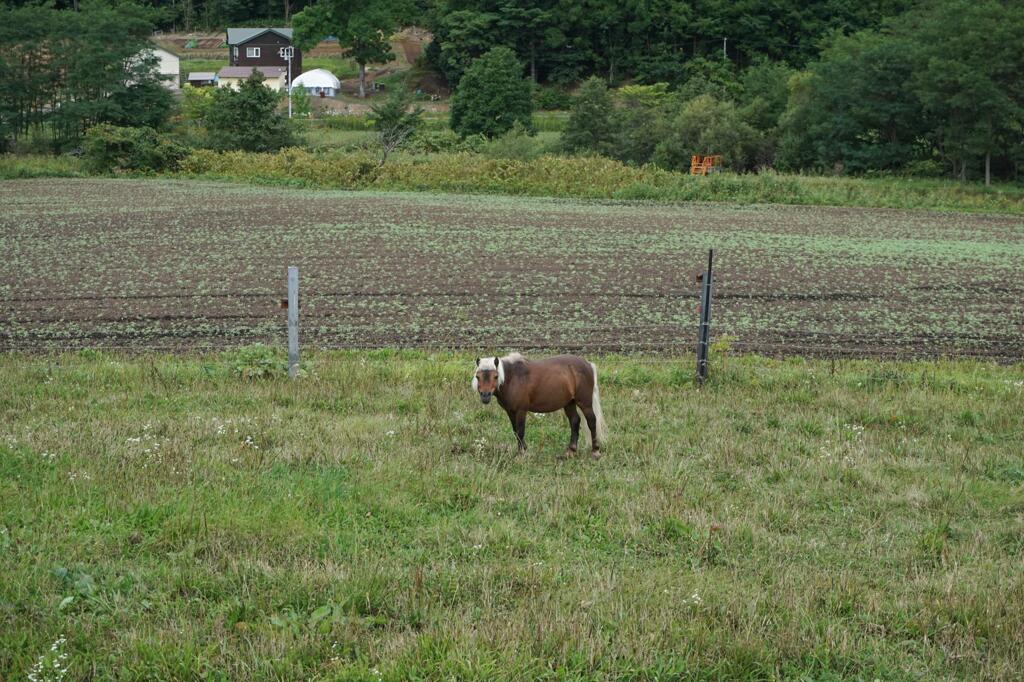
<point x="262" y="47"/>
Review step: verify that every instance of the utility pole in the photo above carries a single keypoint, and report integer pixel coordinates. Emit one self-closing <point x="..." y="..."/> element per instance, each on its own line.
<point x="725" y="55"/>
<point x="287" y="53"/>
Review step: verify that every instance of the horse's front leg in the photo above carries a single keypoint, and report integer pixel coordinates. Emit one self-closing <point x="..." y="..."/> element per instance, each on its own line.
<point x="521" y="430"/>
<point x="518" y="420"/>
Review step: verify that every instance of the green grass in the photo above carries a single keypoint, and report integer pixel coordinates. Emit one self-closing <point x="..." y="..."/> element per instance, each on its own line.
<point x="189" y="65"/>
<point x="371" y="520"/>
<point x="342" y="67"/>
<point x="16" y="166"/>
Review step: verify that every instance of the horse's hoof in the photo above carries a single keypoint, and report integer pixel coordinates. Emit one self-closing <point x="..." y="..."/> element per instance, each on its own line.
<point x="568" y="454"/>
<point x="595" y="455"/>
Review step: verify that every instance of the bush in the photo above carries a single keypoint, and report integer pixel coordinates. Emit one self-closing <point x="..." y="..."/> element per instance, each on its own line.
<point x="108" y="148"/>
<point x="426" y="141"/>
<point x="552" y="99"/>
<point x="516" y="144"/>
<point x="346" y="122"/>
<point x="708" y="126"/>
<point x="590" y="126"/>
<point x="258" y="361"/>
<point x="492" y="95"/>
<point x="247" y="118"/>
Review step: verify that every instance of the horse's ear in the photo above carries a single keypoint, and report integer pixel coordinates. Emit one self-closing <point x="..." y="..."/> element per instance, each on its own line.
<point x="478" y="362"/>
<point x="497" y="362"/>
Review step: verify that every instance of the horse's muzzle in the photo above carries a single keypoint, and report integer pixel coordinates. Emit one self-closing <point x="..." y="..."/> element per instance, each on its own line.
<point x="485" y="398"/>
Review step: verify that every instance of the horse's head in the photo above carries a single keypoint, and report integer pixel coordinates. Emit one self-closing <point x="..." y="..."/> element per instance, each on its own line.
<point x="488" y="378"/>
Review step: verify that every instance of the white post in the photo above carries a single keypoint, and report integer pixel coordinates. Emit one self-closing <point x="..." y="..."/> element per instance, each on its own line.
<point x="293" y="321"/>
<point x="287" y="53"/>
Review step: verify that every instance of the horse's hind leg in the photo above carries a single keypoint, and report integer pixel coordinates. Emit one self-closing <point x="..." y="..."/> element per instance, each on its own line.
<point x="574" y="426"/>
<point x="591" y="416"/>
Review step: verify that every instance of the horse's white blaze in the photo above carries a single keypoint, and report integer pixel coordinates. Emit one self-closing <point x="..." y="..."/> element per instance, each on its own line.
<point x="489" y="364"/>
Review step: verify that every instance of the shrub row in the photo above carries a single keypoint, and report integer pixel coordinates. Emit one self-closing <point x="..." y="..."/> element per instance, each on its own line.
<point x="587" y="178"/>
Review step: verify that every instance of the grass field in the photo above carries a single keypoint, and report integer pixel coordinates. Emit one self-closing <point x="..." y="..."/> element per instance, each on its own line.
<point x="163" y="518"/>
<point x="150" y="264"/>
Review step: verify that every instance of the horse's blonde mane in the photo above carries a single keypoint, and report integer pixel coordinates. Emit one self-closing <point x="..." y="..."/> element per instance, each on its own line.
<point x="488" y="363"/>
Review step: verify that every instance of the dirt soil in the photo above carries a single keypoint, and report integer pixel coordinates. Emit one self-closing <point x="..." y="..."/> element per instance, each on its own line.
<point x="147" y="264"/>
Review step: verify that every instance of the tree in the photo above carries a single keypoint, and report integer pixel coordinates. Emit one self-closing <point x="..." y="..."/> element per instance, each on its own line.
<point x="492" y="95"/>
<point x="362" y="28"/>
<point x="61" y="72"/>
<point x="856" y="112"/>
<point x="708" y="126"/>
<point x="394" y="121"/>
<point x="247" y="118"/>
<point x="590" y="127"/>
<point x="970" y="89"/>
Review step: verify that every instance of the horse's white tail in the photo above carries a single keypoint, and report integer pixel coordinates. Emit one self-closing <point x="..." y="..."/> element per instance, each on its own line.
<point x="602" y="433"/>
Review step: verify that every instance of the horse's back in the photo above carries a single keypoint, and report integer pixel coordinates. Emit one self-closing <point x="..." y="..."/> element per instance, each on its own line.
<point x="570" y="373"/>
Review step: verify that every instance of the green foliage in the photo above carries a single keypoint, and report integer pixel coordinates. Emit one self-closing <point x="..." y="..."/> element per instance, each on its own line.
<point x="258" y="361"/>
<point x="492" y="95"/>
<point x="640" y="41"/>
<point x="13" y="167"/>
<point x="107" y="148"/>
<point x="713" y="77"/>
<point x="362" y="29"/>
<point x="552" y="99"/>
<point x="708" y="126"/>
<point x="300" y="102"/>
<point x="396" y="120"/>
<point x="765" y="92"/>
<point x="853" y="111"/>
<point x="592" y="177"/>
<point x="590" y="127"/>
<point x="346" y="122"/>
<point x="248" y="118"/>
<point x="196" y="103"/>
<point x="396" y="112"/>
<point x="517" y="143"/>
<point x="648" y="96"/>
<point x="426" y="141"/>
<point x="922" y="89"/>
<point x="62" y="72"/>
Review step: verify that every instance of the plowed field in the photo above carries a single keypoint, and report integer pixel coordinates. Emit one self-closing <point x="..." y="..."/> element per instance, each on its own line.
<point x="146" y="264"/>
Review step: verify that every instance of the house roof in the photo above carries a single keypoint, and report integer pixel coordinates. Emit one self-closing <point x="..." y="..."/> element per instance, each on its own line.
<point x="201" y="75"/>
<point x="237" y="36"/>
<point x="317" y="78"/>
<point x="245" y="71"/>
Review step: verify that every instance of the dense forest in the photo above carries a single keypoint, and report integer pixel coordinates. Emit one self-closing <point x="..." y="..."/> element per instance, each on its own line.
<point x="929" y="88"/>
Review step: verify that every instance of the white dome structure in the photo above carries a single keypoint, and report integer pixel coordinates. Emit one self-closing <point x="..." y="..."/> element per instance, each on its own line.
<point x="318" y="82"/>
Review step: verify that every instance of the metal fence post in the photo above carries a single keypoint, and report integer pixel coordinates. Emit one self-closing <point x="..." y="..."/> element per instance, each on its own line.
<point x="705" y="322"/>
<point x="293" y="321"/>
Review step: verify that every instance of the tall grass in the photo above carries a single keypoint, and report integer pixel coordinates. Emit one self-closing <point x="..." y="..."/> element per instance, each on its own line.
<point x="14" y="166"/>
<point x="594" y="178"/>
<point x="175" y="520"/>
<point x="547" y="175"/>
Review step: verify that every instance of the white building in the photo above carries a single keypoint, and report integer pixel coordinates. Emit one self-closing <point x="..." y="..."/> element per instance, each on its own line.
<point x="318" y="82"/>
<point x="168" y="66"/>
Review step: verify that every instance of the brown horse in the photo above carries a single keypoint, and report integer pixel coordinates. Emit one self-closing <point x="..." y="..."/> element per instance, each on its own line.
<point x="564" y="382"/>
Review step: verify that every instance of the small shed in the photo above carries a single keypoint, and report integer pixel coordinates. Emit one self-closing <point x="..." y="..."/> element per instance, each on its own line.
<point x="202" y="79"/>
<point x="319" y="82"/>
